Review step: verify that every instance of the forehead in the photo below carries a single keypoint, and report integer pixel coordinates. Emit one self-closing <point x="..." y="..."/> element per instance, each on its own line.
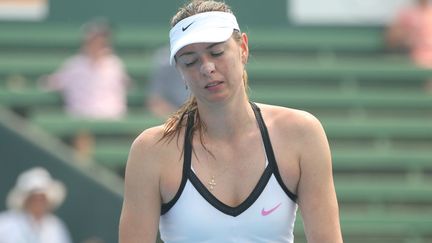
<point x="196" y="47"/>
<point x="199" y="47"/>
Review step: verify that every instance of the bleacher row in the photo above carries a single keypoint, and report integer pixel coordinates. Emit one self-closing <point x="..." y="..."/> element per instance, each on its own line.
<point x="372" y="104"/>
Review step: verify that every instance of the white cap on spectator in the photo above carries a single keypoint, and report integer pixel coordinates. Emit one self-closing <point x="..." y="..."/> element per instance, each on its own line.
<point x="36" y="180"/>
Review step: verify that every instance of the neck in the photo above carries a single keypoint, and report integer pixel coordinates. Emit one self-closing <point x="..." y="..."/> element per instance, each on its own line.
<point x="226" y="121"/>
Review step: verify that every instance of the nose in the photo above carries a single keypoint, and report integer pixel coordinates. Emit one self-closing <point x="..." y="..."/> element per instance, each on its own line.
<point x="207" y="68"/>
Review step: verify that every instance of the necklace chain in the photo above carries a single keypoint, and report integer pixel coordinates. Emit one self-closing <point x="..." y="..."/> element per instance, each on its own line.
<point x="211" y="183"/>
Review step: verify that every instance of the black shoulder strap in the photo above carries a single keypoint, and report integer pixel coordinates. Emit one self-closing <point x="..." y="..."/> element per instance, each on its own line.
<point x="269" y="150"/>
<point x="188" y="143"/>
<point x="264" y="134"/>
<point x="187" y="156"/>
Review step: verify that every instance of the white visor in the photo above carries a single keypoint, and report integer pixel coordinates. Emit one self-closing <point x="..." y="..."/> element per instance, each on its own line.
<point x="207" y="27"/>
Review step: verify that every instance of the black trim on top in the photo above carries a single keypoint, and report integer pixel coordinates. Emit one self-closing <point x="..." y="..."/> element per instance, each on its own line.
<point x="269" y="151"/>
<point x="187" y="158"/>
<point x="270" y="169"/>
<point x="226" y="209"/>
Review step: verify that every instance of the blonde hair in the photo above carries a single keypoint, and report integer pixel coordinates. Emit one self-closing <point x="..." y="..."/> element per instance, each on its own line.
<point x="177" y="121"/>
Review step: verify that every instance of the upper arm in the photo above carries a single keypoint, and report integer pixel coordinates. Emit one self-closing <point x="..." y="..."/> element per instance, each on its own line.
<point x="316" y="192"/>
<point x="141" y="206"/>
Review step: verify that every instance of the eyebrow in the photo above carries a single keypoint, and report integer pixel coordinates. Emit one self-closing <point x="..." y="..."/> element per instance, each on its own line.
<point x="208" y="47"/>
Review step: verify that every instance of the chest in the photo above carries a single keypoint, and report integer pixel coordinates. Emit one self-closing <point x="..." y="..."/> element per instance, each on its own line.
<point x="197" y="217"/>
<point x="230" y="170"/>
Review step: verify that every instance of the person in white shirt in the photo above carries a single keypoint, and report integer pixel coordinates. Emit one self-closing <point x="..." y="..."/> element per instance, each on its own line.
<point x="30" y="217"/>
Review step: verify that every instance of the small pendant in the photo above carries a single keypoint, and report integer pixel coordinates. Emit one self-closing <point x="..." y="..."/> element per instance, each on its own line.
<point x="212" y="183"/>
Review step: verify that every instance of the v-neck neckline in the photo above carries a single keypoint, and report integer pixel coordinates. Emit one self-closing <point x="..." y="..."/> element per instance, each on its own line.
<point x="223" y="207"/>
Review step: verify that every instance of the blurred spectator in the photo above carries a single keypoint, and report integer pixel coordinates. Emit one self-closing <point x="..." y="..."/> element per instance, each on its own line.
<point x="30" y="217"/>
<point x="167" y="91"/>
<point x="93" y="82"/>
<point x="412" y="29"/>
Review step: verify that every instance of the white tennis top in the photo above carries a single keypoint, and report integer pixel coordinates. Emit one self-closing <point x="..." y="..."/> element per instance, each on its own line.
<point x="195" y="215"/>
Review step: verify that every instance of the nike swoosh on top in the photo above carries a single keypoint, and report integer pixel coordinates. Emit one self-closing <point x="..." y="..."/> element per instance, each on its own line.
<point x="185" y="28"/>
<point x="267" y="212"/>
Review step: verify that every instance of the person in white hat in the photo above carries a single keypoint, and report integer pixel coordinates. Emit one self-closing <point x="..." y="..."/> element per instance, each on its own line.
<point x="30" y="217"/>
<point x="223" y="168"/>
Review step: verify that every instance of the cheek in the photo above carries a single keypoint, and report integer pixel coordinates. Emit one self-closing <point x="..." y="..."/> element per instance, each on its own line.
<point x="189" y="81"/>
<point x="235" y="67"/>
<point x="185" y="74"/>
<point x="190" y="77"/>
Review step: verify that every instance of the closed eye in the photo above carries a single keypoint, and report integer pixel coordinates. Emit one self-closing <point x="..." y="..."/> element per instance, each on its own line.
<point x="188" y="64"/>
<point x="187" y="60"/>
<point x="216" y="54"/>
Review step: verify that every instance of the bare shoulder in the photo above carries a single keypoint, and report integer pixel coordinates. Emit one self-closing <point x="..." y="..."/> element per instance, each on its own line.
<point x="145" y="151"/>
<point x="147" y="141"/>
<point x="151" y="150"/>
<point x="289" y="120"/>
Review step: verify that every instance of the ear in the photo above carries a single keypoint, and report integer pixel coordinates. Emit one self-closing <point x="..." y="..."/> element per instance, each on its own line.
<point x="244" y="48"/>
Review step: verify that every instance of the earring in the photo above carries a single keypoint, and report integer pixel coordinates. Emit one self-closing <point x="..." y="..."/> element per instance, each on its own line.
<point x="186" y="87"/>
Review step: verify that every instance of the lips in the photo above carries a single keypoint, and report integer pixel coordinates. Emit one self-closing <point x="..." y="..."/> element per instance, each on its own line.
<point x="213" y="84"/>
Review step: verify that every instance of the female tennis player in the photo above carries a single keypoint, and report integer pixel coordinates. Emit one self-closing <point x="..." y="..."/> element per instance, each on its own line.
<point x="223" y="168"/>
